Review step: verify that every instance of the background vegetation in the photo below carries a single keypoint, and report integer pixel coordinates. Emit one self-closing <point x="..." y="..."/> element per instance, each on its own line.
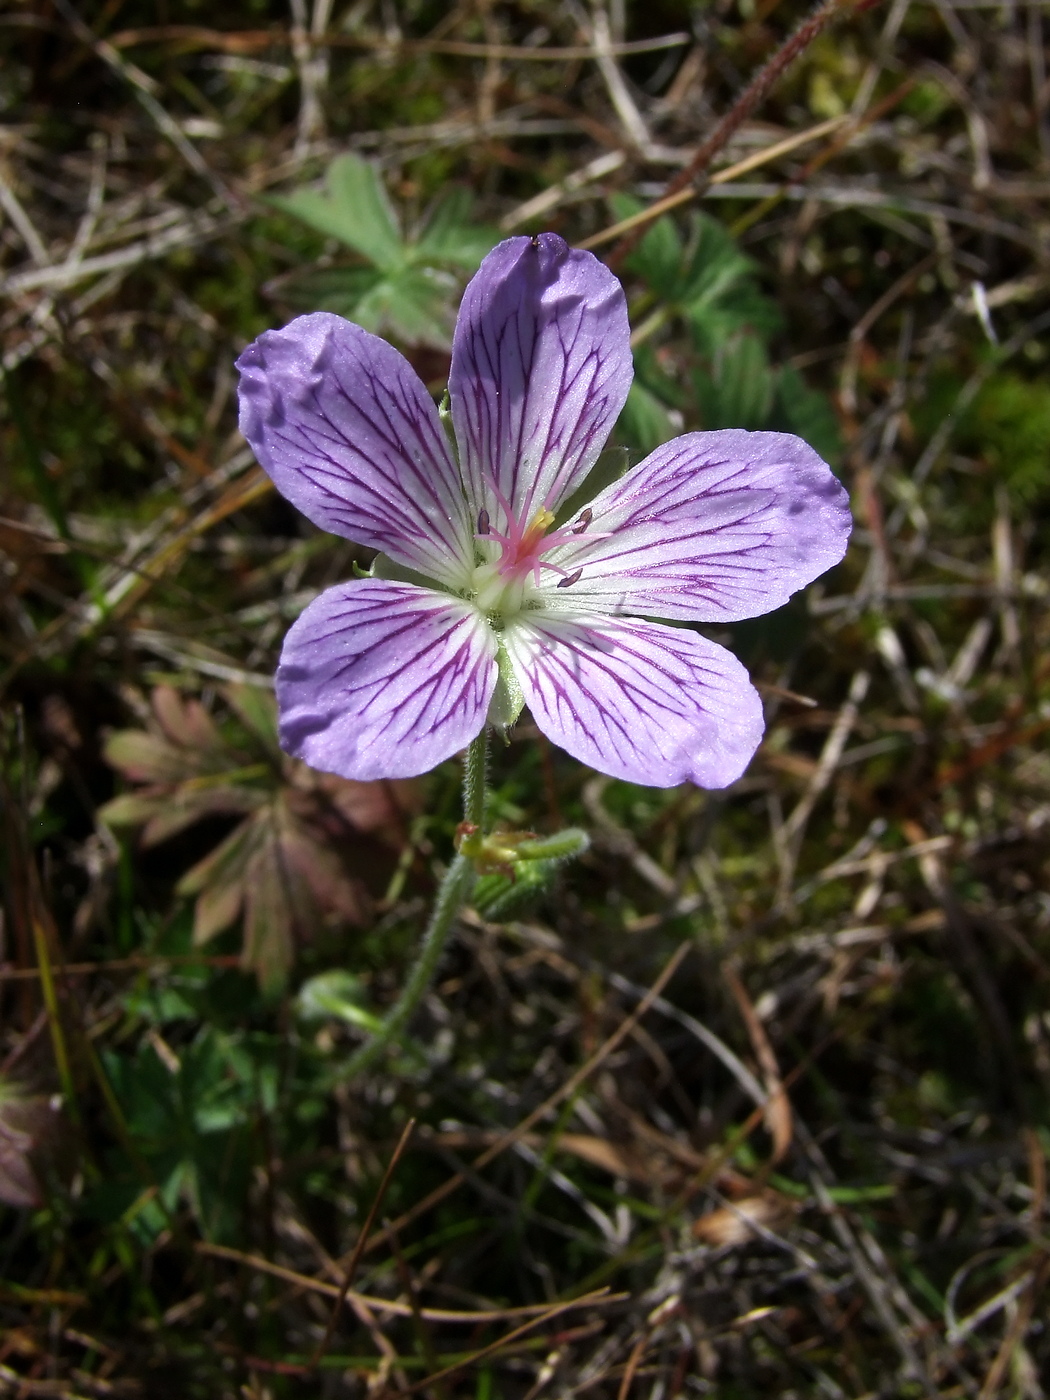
<point x="813" y="1161"/>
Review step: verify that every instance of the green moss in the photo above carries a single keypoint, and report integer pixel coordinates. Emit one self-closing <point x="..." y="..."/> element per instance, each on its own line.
<point x="1010" y="424"/>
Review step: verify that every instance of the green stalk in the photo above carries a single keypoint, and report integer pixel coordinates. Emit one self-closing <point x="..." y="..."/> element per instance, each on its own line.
<point x="54" y="1018"/>
<point x="451" y="896"/>
<point x="475" y="781"/>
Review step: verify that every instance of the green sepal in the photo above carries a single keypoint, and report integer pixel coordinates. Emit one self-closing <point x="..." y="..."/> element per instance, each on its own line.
<point x="508" y="699"/>
<point x="497" y="896"/>
<point x="563" y="845"/>
<point x="389" y="569"/>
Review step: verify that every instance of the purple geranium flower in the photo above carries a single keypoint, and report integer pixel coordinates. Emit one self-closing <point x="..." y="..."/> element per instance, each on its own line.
<point x="483" y="600"/>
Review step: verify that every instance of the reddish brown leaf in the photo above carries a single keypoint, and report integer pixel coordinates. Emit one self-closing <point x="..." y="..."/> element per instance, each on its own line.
<point x="145" y="758"/>
<point x="187" y="805"/>
<point x="26" y="1122"/>
<point x="185" y="722"/>
<point x="273" y="895"/>
<point x="228" y="862"/>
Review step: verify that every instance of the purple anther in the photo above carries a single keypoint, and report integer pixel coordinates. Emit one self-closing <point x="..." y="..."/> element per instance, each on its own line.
<point x="570" y="579"/>
<point x="586" y="516"/>
<point x="483" y="522"/>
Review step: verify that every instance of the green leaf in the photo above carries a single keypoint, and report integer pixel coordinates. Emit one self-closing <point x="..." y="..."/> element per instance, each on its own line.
<point x="414" y="305"/>
<point x="257" y="710"/>
<point x="741" y="307"/>
<point x="715" y="265"/>
<point x="337" y="289"/>
<point x="645" y="421"/>
<point x="808" y="413"/>
<point x="738" y="393"/>
<point x="353" y="207"/>
<point x="411" y="304"/>
<point x="658" y="257"/>
<point x="450" y="239"/>
<point x="706" y="280"/>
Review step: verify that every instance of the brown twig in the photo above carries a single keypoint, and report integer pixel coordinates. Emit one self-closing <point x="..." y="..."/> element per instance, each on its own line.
<point x="599" y="1296"/>
<point x="753" y="95"/>
<point x="469" y="1317"/>
<point x="723" y="177"/>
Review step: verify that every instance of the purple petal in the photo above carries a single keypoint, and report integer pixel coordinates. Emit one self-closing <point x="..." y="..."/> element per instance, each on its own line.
<point x="384" y="680"/>
<point x="541" y="365"/>
<point x="652" y="704"/>
<point x="346" y="430"/>
<point x="712" y="527"/>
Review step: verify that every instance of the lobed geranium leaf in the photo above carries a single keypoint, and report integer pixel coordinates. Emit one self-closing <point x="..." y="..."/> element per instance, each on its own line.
<point x="714" y="266"/>
<point x="353" y="207"/>
<point x="377" y="807"/>
<point x="337" y="289"/>
<point x="658" y="257"/>
<point x="283" y="869"/>
<point x="808" y="413"/>
<point x="408" y="290"/>
<point x="185" y="806"/>
<point x="218" y="905"/>
<point x="449" y="236"/>
<point x="738" y="392"/>
<point x="298" y="850"/>
<point x="413" y="304"/>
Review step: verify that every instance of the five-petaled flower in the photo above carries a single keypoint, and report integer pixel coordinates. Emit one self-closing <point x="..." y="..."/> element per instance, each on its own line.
<point x="485" y="598"/>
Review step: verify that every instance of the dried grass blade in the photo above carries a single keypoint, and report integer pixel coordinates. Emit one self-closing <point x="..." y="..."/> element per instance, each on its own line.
<point x="362" y="1239"/>
<point x="565" y="1091"/>
<point x="777" y="1107"/>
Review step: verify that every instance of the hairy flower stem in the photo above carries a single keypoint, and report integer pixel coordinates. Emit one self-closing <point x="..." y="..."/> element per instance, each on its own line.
<point x="475" y="781"/>
<point x="451" y="896"/>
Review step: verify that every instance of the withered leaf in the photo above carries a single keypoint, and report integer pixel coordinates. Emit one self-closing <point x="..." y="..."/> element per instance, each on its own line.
<point x="185" y="722"/>
<point x="283" y="869"/>
<point x="745" y="1219"/>
<point x="26" y="1121"/>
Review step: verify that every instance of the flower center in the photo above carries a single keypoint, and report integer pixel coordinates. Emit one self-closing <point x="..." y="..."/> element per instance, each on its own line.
<point x="502" y="583"/>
